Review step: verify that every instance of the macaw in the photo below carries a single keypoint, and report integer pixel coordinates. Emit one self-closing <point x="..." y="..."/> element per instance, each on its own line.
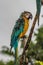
<point x="38" y="4"/>
<point x="20" y="28"/>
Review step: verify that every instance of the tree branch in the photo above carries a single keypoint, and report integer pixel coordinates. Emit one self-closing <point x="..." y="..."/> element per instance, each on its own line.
<point x="29" y="38"/>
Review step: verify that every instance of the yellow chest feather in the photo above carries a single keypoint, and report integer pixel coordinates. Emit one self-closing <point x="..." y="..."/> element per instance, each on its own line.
<point x="26" y="25"/>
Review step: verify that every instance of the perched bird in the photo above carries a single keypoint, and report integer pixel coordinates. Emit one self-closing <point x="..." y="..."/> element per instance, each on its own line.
<point x="38" y="4"/>
<point x="20" y="28"/>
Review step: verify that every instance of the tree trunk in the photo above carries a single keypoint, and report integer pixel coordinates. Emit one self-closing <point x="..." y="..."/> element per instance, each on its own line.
<point x="29" y="38"/>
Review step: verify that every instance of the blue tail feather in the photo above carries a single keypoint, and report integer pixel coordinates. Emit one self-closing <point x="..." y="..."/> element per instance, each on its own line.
<point x="16" y="44"/>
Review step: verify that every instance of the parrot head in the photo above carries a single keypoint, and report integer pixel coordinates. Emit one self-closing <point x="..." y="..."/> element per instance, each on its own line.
<point x="26" y="14"/>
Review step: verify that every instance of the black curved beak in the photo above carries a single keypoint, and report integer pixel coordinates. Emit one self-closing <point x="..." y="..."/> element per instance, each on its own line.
<point x="31" y="16"/>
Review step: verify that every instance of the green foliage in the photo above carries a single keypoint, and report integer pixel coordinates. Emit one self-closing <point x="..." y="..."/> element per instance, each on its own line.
<point x="39" y="44"/>
<point x="2" y="63"/>
<point x="7" y="63"/>
<point x="39" y="63"/>
<point x="6" y="50"/>
<point x="10" y="63"/>
<point x="31" y="51"/>
<point x="39" y="36"/>
<point x="36" y="50"/>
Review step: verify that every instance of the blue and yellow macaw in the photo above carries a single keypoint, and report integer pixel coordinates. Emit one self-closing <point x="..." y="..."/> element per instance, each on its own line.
<point x="20" y="28"/>
<point x="38" y="4"/>
<point x="19" y="31"/>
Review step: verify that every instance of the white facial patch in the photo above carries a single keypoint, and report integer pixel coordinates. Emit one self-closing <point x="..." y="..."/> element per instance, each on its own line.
<point x="27" y="15"/>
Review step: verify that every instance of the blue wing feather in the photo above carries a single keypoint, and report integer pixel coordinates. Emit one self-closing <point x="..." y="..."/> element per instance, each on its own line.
<point x="18" y="28"/>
